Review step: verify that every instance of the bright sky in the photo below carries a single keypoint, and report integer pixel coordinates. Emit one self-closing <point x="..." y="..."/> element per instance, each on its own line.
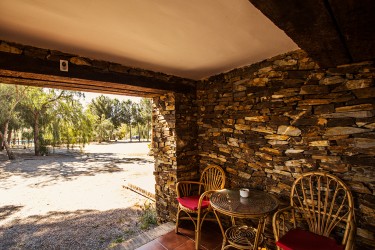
<point x="90" y="95"/>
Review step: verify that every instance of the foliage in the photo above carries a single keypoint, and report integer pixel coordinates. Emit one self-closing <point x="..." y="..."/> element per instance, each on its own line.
<point x="125" y="117"/>
<point x="103" y="128"/>
<point x="57" y="117"/>
<point x="38" y="111"/>
<point x="146" y="113"/>
<point x="10" y="96"/>
<point x="110" y="108"/>
<point x="148" y="217"/>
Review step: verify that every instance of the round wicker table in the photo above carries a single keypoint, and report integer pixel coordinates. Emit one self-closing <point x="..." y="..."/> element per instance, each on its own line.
<point x="258" y="205"/>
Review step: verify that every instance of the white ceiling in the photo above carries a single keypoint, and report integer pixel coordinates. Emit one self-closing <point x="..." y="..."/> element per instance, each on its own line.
<point x="193" y="39"/>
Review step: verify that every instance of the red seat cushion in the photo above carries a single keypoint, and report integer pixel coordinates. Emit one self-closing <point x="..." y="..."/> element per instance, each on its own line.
<point x="191" y="202"/>
<point x="298" y="239"/>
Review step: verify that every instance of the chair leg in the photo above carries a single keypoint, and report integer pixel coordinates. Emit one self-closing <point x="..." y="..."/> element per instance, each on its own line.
<point x="177" y="220"/>
<point x="198" y="228"/>
<point x="197" y="239"/>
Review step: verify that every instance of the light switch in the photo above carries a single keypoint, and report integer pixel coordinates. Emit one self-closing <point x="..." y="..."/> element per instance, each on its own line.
<point x="64" y="66"/>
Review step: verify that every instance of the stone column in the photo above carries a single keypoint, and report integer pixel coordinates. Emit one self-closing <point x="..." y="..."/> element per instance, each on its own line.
<point x="174" y="143"/>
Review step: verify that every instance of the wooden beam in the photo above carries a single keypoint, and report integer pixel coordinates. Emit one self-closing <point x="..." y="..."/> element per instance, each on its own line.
<point x="356" y="22"/>
<point x="40" y="80"/>
<point x="79" y="86"/>
<point x="311" y="26"/>
<point x="47" y="73"/>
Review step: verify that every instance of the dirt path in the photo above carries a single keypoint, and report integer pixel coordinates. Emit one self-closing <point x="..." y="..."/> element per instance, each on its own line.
<point x="72" y="200"/>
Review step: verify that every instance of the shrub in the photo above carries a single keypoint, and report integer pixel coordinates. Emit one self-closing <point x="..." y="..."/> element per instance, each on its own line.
<point x="148" y="217"/>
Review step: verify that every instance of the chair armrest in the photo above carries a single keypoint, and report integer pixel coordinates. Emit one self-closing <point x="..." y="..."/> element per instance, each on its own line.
<point x="282" y="221"/>
<point x="185" y="188"/>
<point x="206" y="195"/>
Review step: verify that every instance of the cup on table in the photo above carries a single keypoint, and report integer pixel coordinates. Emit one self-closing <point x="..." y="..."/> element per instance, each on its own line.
<point x="244" y="192"/>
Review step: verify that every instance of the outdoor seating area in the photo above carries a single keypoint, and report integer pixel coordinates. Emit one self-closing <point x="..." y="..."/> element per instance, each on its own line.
<point x="320" y="203"/>
<point x="263" y="111"/>
<point x="324" y="203"/>
<point x="197" y="206"/>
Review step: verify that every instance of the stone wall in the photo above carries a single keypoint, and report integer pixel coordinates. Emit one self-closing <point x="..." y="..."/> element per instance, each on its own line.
<point x="267" y="123"/>
<point x="175" y="148"/>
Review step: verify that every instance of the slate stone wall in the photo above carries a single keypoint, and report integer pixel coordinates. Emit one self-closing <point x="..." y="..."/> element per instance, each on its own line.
<point x="267" y="123"/>
<point x="175" y="148"/>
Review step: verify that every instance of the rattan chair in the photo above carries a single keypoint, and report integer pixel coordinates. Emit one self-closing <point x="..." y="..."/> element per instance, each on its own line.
<point x="193" y="198"/>
<point x="321" y="209"/>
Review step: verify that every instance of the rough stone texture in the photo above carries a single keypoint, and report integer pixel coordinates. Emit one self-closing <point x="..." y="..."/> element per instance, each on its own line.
<point x="268" y="122"/>
<point x="175" y="148"/>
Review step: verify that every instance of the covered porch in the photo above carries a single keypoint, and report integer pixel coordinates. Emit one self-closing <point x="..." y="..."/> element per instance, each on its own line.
<point x="310" y="109"/>
<point x="267" y="123"/>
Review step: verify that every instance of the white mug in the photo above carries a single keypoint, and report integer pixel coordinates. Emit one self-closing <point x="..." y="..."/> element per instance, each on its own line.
<point x="244" y="192"/>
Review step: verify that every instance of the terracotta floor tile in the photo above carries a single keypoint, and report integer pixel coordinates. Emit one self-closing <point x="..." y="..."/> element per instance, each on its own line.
<point x="188" y="245"/>
<point x="211" y="238"/>
<point x="187" y="232"/>
<point x="172" y="240"/>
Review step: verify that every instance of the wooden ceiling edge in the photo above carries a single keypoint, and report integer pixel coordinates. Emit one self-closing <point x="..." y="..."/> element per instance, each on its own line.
<point x="78" y="87"/>
<point x="78" y="84"/>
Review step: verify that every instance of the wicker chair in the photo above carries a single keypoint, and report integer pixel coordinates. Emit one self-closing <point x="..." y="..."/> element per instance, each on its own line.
<point x="321" y="204"/>
<point x="193" y="198"/>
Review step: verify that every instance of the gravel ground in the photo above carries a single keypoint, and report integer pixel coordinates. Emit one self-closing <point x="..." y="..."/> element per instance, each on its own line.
<point x="72" y="200"/>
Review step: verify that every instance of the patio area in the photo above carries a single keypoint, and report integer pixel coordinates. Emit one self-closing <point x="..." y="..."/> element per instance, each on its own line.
<point x="73" y="199"/>
<point x="184" y="240"/>
<point x="285" y="89"/>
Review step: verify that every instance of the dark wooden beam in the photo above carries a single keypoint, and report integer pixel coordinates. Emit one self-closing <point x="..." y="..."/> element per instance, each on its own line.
<point x="79" y="85"/>
<point x="356" y="23"/>
<point x="310" y="25"/>
<point x="46" y="73"/>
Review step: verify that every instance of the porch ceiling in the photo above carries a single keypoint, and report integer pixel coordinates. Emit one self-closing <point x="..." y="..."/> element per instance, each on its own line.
<point x="192" y="39"/>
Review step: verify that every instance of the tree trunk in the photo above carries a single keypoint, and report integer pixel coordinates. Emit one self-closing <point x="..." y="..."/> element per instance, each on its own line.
<point x="130" y="131"/>
<point x="36" y="134"/>
<point x="5" y="142"/>
<point x="148" y="130"/>
<point x="2" y="142"/>
<point x="139" y="132"/>
<point x="9" y="133"/>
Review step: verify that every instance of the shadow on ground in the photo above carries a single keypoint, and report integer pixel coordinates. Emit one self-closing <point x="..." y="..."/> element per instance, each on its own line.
<point x="81" y="229"/>
<point x="7" y="211"/>
<point x="66" y="166"/>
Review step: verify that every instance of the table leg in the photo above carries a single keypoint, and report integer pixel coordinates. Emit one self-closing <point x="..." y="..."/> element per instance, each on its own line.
<point x="233" y="221"/>
<point x="221" y="229"/>
<point x="259" y="232"/>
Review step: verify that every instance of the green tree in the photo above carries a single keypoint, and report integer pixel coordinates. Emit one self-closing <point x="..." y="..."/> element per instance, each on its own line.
<point x="28" y="135"/>
<point x="146" y="114"/>
<point x="136" y="111"/>
<point x="110" y="108"/>
<point x="103" y="128"/>
<point x="126" y="116"/>
<point x="35" y="110"/>
<point x="70" y="123"/>
<point x="10" y="97"/>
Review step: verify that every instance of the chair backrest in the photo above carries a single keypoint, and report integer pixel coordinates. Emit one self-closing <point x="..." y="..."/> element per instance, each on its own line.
<point x="325" y="203"/>
<point x="213" y="178"/>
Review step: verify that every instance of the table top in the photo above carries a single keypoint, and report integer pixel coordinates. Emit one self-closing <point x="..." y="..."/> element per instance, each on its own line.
<point x="229" y="202"/>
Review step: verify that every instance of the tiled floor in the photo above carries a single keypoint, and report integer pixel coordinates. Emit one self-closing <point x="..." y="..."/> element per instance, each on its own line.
<point x="211" y="238"/>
